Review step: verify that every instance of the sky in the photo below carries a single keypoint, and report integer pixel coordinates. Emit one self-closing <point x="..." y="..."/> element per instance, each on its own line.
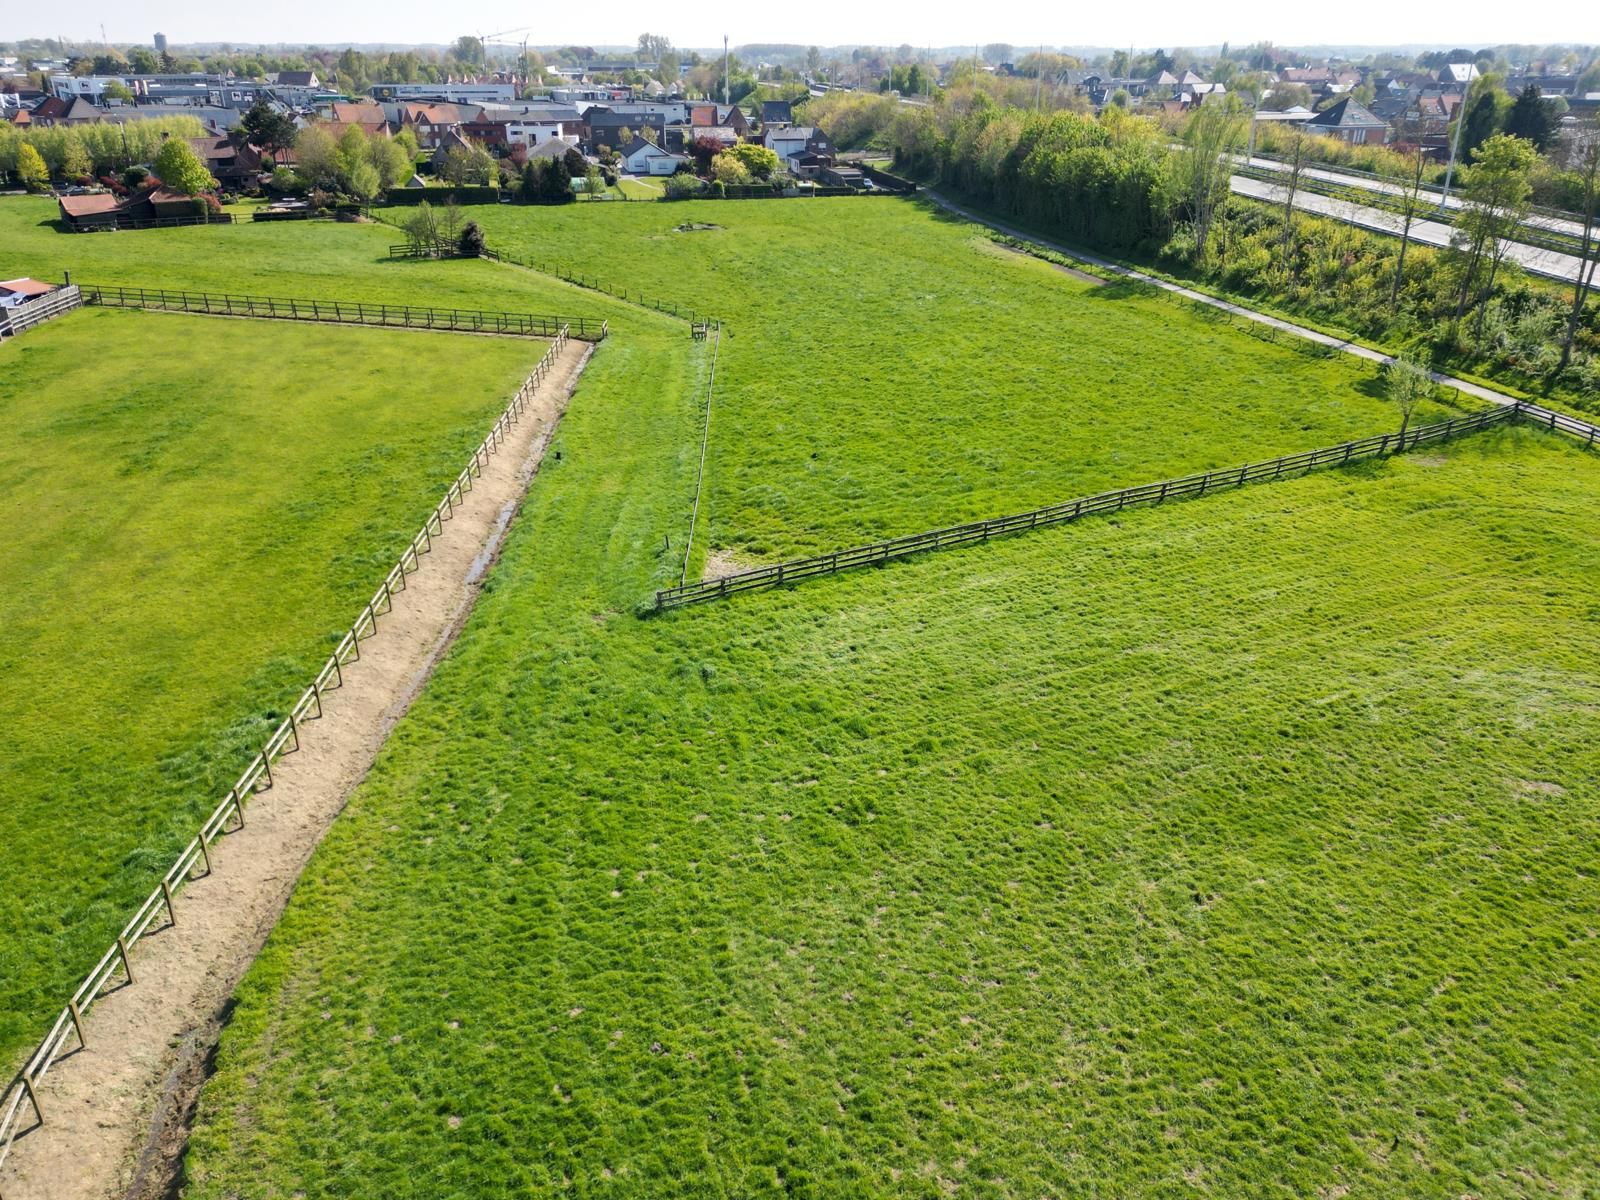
<point x="1470" y="23"/>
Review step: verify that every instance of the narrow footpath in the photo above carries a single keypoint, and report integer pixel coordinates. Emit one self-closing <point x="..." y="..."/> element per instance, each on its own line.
<point x="1249" y="314"/>
<point x="117" y="1111"/>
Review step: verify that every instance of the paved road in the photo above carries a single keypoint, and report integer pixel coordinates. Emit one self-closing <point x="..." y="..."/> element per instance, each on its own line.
<point x="1249" y="314"/>
<point x="1550" y="263"/>
<point x="1548" y="224"/>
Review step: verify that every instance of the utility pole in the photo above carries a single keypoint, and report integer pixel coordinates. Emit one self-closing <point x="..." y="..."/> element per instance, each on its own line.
<point x="724" y="70"/>
<point x="1455" y="142"/>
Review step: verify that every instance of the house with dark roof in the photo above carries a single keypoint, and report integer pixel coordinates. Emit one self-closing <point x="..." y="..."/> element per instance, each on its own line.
<point x="1349" y="122"/>
<point x="232" y="166"/>
<point x="776" y="112"/>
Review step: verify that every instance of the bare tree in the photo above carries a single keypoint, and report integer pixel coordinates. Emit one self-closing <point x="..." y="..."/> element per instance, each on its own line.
<point x="1410" y="186"/>
<point x="1586" y="161"/>
<point x="1296" y="164"/>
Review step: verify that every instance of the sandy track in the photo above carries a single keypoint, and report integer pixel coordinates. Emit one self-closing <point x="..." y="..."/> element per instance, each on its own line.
<point x="116" y="1111"/>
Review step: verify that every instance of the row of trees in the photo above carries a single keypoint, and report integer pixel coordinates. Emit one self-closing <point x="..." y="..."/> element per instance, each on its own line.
<point x="1120" y="182"/>
<point x="77" y="153"/>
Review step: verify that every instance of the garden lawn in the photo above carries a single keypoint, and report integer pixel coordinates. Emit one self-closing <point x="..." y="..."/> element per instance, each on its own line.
<point x="1242" y="846"/>
<point x="196" y="508"/>
<point x="886" y="368"/>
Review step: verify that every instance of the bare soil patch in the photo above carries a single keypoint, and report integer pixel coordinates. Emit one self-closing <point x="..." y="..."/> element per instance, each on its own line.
<point x="117" y="1111"/>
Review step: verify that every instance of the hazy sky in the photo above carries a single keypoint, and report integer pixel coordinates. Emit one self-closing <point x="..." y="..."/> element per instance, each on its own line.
<point x="940" y="23"/>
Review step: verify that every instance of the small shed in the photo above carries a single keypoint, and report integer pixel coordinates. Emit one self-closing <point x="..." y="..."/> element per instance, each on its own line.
<point x="19" y="291"/>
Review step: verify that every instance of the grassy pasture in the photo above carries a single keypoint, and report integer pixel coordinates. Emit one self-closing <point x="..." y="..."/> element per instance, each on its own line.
<point x="195" y="507"/>
<point x="887" y="369"/>
<point x="279" y="258"/>
<point x="1241" y="846"/>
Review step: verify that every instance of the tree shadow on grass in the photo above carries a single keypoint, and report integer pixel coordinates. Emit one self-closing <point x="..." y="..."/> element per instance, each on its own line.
<point x="1125" y="289"/>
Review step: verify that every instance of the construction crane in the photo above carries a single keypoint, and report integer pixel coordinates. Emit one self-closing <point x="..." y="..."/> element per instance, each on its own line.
<point x="485" y="39"/>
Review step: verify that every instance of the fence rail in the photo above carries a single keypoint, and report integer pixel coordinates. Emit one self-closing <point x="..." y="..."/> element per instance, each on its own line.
<point x="348" y="312"/>
<point x="1114" y="501"/>
<point x="117" y="223"/>
<point x="25" y="316"/>
<point x="228" y="815"/>
<point x="444" y="248"/>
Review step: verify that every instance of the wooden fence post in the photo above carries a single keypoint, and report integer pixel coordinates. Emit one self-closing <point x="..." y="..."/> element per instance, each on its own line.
<point x="166" y="892"/>
<point x="127" y="965"/>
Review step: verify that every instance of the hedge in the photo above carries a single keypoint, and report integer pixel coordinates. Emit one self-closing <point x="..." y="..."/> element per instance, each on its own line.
<point x="464" y="194"/>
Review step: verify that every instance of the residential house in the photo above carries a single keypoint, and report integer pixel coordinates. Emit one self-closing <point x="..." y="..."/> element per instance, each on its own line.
<point x="724" y="135"/>
<point x="1349" y="122"/>
<point x="1457" y="77"/>
<point x="298" y="89"/>
<point x="605" y="127"/>
<point x="372" y="118"/>
<point x="431" y="123"/>
<point x="730" y="115"/>
<point x="645" y="158"/>
<point x="232" y="166"/>
<point x="776" y="112"/>
<point x="796" y="139"/>
<point x="56" y="111"/>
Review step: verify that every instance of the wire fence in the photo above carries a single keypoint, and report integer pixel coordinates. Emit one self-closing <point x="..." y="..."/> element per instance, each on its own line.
<point x="228" y="815"/>
<point x="1115" y="501"/>
<point x="445" y="248"/>
<point x="348" y="312"/>
<point x="700" y="474"/>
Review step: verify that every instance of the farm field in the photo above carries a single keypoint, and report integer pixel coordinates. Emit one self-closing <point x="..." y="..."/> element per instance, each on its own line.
<point x="196" y="506"/>
<point x="886" y="369"/>
<point x="1241" y="846"/>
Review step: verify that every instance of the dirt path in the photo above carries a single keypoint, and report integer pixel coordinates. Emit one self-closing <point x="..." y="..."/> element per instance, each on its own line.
<point x="117" y="1111"/>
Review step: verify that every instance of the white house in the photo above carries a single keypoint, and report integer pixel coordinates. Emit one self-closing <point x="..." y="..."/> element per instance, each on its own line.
<point x="645" y="158"/>
<point x="536" y="133"/>
<point x="793" y="139"/>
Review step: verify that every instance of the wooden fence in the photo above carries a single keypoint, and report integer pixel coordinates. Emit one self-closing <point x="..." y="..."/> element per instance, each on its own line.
<point x="445" y="248"/>
<point x="1115" y="501"/>
<point x="229" y="813"/>
<point x="116" y="223"/>
<point x="348" y="312"/>
<point x="35" y="312"/>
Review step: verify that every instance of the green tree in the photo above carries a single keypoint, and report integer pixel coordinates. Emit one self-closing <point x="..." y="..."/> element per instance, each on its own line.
<point x="1483" y="116"/>
<point x="421" y="229"/>
<point x="1407" y="382"/>
<point x="758" y="160"/>
<point x="1204" y="168"/>
<point x="531" y="189"/>
<point x="76" y="162"/>
<point x="556" y="184"/>
<point x="267" y="128"/>
<point x="471" y="243"/>
<point x="180" y="169"/>
<point x="364" y="181"/>
<point x="116" y="90"/>
<point x="1531" y="118"/>
<point x="31" y="169"/>
<point x="727" y="169"/>
<point x="316" y="157"/>
<point x="1498" y="186"/>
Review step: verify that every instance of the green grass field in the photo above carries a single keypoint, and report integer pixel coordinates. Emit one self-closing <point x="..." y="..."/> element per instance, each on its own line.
<point x="1243" y="845"/>
<point x="886" y="369"/>
<point x="197" y="506"/>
